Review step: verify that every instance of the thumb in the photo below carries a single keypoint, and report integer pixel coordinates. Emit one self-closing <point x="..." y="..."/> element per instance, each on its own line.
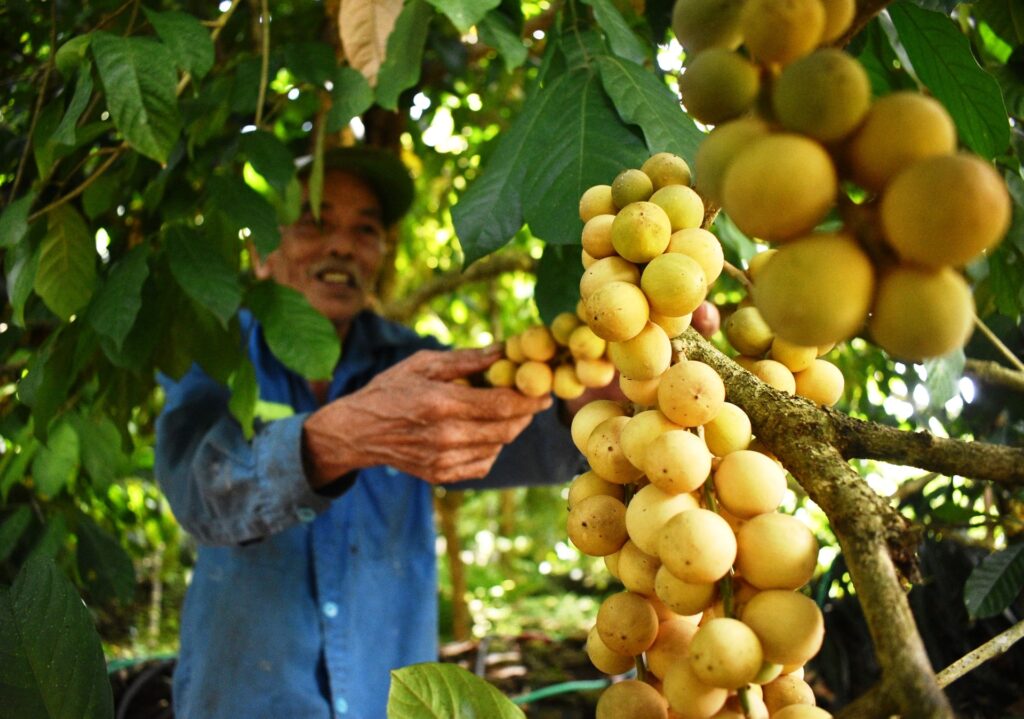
<point x="462" y="363"/>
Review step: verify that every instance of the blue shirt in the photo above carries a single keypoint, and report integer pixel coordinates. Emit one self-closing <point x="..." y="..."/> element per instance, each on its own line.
<point x="300" y="605"/>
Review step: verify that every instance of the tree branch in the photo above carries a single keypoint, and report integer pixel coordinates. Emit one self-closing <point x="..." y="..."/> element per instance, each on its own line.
<point x="866" y="11"/>
<point x="994" y="647"/>
<point x="993" y="373"/>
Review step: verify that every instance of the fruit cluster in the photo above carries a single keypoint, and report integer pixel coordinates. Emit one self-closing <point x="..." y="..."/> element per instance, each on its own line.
<point x="796" y="135"/>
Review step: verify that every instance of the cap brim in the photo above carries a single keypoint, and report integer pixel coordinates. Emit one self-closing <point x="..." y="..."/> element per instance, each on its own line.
<point x="383" y="170"/>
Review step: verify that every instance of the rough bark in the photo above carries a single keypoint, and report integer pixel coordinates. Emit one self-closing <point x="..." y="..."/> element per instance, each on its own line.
<point x="993" y="373"/>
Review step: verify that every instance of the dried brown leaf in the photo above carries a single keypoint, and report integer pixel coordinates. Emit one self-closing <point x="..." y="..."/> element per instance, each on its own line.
<point x="364" y="26"/>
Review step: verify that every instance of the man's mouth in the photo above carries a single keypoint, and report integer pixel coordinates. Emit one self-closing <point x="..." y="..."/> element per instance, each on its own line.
<point x="337" y="277"/>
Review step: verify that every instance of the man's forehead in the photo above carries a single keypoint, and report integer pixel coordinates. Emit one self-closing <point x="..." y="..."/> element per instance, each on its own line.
<point x="345" y="189"/>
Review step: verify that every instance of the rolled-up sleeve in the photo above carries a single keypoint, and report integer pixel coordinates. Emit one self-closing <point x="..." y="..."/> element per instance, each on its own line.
<point x="222" y="487"/>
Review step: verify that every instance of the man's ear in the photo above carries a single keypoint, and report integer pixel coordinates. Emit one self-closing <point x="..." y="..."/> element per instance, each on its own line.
<point x="260" y="268"/>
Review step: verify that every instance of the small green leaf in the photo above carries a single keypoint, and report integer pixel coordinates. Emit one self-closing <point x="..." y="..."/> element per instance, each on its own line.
<point x="186" y="38"/>
<point x="21" y="264"/>
<point x="464" y="14"/>
<point x="351" y="96"/>
<point x="311" y="62"/>
<point x="244" y="396"/>
<point x="624" y="42"/>
<point x="57" y="462"/>
<point x="65" y="134"/>
<point x="43" y="146"/>
<point x="100" y="195"/>
<point x="441" y="691"/>
<point x="14" y="220"/>
<point x="302" y="338"/>
<point x="558" y="279"/>
<point x="53" y="539"/>
<point x="101" y="452"/>
<point x="496" y="30"/>
<point x="117" y="303"/>
<point x="245" y="208"/>
<point x="201" y="270"/>
<point x="67" y="263"/>
<point x="269" y="157"/>
<point x="53" y="665"/>
<point x="17" y="470"/>
<point x="70" y="54"/>
<point x="12" y="528"/>
<point x="50" y="372"/>
<point x="103" y="564"/>
<point x="995" y="583"/>
<point x="404" y="59"/>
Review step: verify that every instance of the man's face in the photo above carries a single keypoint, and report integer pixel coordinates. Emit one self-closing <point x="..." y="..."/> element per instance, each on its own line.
<point x="334" y="264"/>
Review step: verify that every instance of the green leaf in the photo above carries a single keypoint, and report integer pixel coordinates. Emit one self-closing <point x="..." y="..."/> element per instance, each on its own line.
<point x="57" y="462"/>
<point x="17" y="470"/>
<point x="244" y="396"/>
<point x="873" y="50"/>
<point x="186" y="38"/>
<point x="995" y="583"/>
<point x="52" y="540"/>
<point x="1005" y="17"/>
<point x="14" y="220"/>
<point x="53" y="665"/>
<point x="404" y="59"/>
<point x="70" y="54"/>
<point x="311" y="62"/>
<point x="21" y="263"/>
<point x="140" y="83"/>
<point x="99" y="196"/>
<point x="201" y="270"/>
<point x="302" y="338"/>
<point x="243" y="207"/>
<point x="623" y="41"/>
<point x="50" y="372"/>
<point x="67" y="263"/>
<point x="12" y="528"/>
<point x="269" y="157"/>
<point x="101" y="452"/>
<point x="944" y="6"/>
<point x="579" y="141"/>
<point x="43" y="147"/>
<point x="441" y="691"/>
<point x="117" y="303"/>
<point x="558" y="280"/>
<point x="942" y="60"/>
<point x="103" y="564"/>
<point x="496" y="30"/>
<point x="464" y="14"/>
<point x="351" y="96"/>
<point x="65" y="134"/>
<point x="644" y="100"/>
<point x="944" y="373"/>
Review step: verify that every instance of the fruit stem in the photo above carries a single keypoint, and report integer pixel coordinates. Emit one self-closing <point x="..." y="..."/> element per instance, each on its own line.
<point x="1003" y="349"/>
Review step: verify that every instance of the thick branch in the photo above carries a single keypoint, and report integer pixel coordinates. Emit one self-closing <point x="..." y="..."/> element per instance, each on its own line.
<point x="803" y="437"/>
<point x="993" y="373"/>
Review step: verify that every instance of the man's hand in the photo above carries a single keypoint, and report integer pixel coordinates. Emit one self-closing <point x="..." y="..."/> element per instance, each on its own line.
<point x="415" y="418"/>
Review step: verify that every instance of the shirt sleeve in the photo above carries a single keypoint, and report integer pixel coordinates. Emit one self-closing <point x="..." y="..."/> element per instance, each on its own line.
<point x="223" y="487"/>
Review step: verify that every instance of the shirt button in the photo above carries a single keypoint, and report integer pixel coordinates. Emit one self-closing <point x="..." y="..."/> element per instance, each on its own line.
<point x="390" y="471"/>
<point x="330" y="611"/>
<point x="340" y="705"/>
<point x="306" y="514"/>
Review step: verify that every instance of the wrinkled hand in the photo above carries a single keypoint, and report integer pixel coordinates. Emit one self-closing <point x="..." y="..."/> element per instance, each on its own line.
<point x="416" y="419"/>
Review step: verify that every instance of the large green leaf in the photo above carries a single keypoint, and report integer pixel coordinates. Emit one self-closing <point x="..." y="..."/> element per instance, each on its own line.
<point x="67" y="263"/>
<point x="21" y="263"/>
<point x="43" y="146"/>
<point x="1005" y="17"/>
<point x="71" y="54"/>
<point x="243" y="207"/>
<point x="302" y="338"/>
<point x="558" y="280"/>
<point x="140" y="84"/>
<point x="270" y="157"/>
<point x="351" y="96"/>
<point x="57" y="462"/>
<point x="103" y="564"/>
<point x="201" y="270"/>
<point x="444" y="691"/>
<point x="187" y="39"/>
<point x="578" y="141"/>
<point x="245" y="393"/>
<point x="118" y="301"/>
<point x="464" y="14"/>
<point x="623" y="41"/>
<point x="311" y="62"/>
<point x="14" y="220"/>
<point x="402" y="63"/>
<point x="51" y="661"/>
<point x="497" y="31"/>
<point x="995" y="583"/>
<point x="101" y="452"/>
<point x="65" y="134"/>
<point x="942" y="59"/>
<point x="12" y="528"/>
<point x="643" y="100"/>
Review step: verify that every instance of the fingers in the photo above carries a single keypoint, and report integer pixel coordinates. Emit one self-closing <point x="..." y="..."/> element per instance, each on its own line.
<point x="446" y="366"/>
<point x="496" y="403"/>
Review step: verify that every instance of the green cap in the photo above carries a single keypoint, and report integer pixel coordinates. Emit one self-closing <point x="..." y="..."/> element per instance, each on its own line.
<point x="386" y="174"/>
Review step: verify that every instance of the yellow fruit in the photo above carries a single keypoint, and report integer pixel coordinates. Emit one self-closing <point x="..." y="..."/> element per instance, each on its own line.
<point x="537" y="343"/>
<point x="563" y="325"/>
<point x="636" y="569"/>
<point x="684" y="598"/>
<point x="838" y="16"/>
<point x="605" y="270"/>
<point x="697" y="546"/>
<point x="595" y="372"/>
<point x="631" y="699"/>
<point x="719" y="148"/>
<point x="597" y="525"/>
<point x="596" y="200"/>
<point x="586" y="259"/>
<point x="701" y="24"/>
<point x="683" y="206"/>
<point x="565" y="384"/>
<point x="649" y="510"/>
<point x="747" y="332"/>
<point x="774" y="374"/>
<point x="816" y="290"/>
<point x="725" y="653"/>
<point x="665" y="169"/>
<point x="640" y="231"/>
<point x="597" y="236"/>
<point x="780" y="31"/>
<point x="514" y="350"/>
<point x="627" y="623"/>
<point x="779" y="186"/>
<point x="641" y="392"/>
<point x="749" y="483"/>
<point x="898" y="130"/>
<point x="920" y="313"/>
<point x="719" y="85"/>
<point x="674" y="283"/>
<point x="795" y="357"/>
<point x="640" y="431"/>
<point x="584" y="344"/>
<point x="690" y="393"/>
<point x="617" y="311"/>
<point x="671" y="645"/>
<point x="688" y="696"/>
<point x="534" y="379"/>
<point x="728" y="432"/>
<point x="588" y="484"/>
<point x="824" y="95"/>
<point x="673" y="326"/>
<point x="502" y="373"/>
<point x="677" y="461"/>
<point x="631" y="186"/>
<point x="703" y="247"/>
<point x="604" y="452"/>
<point x="757" y="262"/>
<point x="945" y="210"/>
<point x="788" y="624"/>
<point x="776" y="551"/>
<point x="822" y="383"/>
<point x="786" y="690"/>
<point x="603" y="658"/>
<point x="589" y="416"/>
<point x="801" y="711"/>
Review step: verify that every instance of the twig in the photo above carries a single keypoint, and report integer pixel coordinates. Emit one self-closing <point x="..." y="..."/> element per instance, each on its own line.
<point x="1003" y="349"/>
<point x="82" y="187"/>
<point x="265" y="64"/>
<point x="218" y="27"/>
<point x="912" y="486"/>
<point x="737" y="274"/>
<point x="866" y="11"/>
<point x="989" y="372"/>
<point x="991" y="649"/>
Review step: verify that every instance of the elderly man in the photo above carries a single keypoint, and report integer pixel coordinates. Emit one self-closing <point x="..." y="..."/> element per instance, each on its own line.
<point x="316" y="572"/>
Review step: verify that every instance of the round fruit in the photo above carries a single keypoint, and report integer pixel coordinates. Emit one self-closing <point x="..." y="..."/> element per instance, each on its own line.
<point x="674" y="284"/>
<point x="640" y="231"/>
<point x="789" y="625"/>
<point x="691" y="393"/>
<point x="825" y="95"/>
<point x="631" y="699"/>
<point x="649" y="510"/>
<point x="780" y="31"/>
<point x="719" y="148"/>
<point x="757" y="262"/>
<point x="706" y="319"/>
<point x="640" y="431"/>
<point x="801" y="711"/>
<point x="697" y="546"/>
<point x="641" y="392"/>
<point x="589" y="416"/>
<point x="672" y="645"/>
<point x="664" y="169"/>
<point x="839" y="15"/>
<point x="566" y="385"/>
<point x="700" y="24"/>
<point x="537" y="343"/>
<point x="703" y="247"/>
<point x="502" y="373"/>
<point x="617" y="311"/>
<point x="563" y="325"/>
<point x="534" y="379"/>
<point x="725" y="653"/>
<point x="597" y="236"/>
<point x="786" y="690"/>
<point x="588" y="484"/>
<point x="637" y="569"/>
<point x="631" y="186"/>
<point x="795" y="357"/>
<point x="775" y="374"/>
<point x="749" y="483"/>
<point x="683" y="206"/>
<point x="627" y="623"/>
<point x="584" y="344"/>
<point x="603" y="658"/>
<point x="822" y="383"/>
<point x="595" y="372"/>
<point x="605" y="270"/>
<point x="673" y="326"/>
<point x="681" y="597"/>
<point x="643" y="357"/>
<point x="597" y="525"/>
<point x="719" y="85"/>
<point x="776" y="551"/>
<point x="677" y="461"/>
<point x="728" y="432"/>
<point x="688" y="696"/>
<point x="604" y="452"/>
<point x="596" y="200"/>
<point x="747" y="332"/>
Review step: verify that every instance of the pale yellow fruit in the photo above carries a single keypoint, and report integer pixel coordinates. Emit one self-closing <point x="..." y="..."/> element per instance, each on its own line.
<point x="637" y="569"/>
<point x="596" y="200"/>
<point x="537" y="343"/>
<point x="588" y="484"/>
<point x="589" y="416"/>
<point x="640" y="232"/>
<point x="774" y="374"/>
<point x="728" y="432"/>
<point x="719" y="148"/>
<point x="824" y="95"/>
<point x="631" y="186"/>
<point x="502" y="373"/>
<point x="816" y="290"/>
<point x="649" y="510"/>
<point x="597" y="525"/>
<point x="768" y="673"/>
<point x="581" y="310"/>
<point x="757" y="262"/>
<point x="611" y="563"/>
<point x="677" y="461"/>
<point x="697" y="546"/>
<point x="822" y="383"/>
<point x="700" y="24"/>
<point x="795" y="357"/>
<point x="640" y="431"/>
<point x="565" y="384"/>
<point x="603" y="658"/>
<point x="617" y="311"/>
<point x="745" y="362"/>
<point x="898" y="130"/>
<point x="627" y="623"/>
<point x="604" y="452"/>
<point x="788" y="625"/>
<point x="563" y="325"/>
<point x="749" y="483"/>
<point x="733" y="709"/>
<point x="597" y="236"/>
<point x="534" y="379"/>
<point x="683" y="597"/>
<point x="514" y="350"/>
<point x="824" y="349"/>
<point x="641" y="392"/>
<point x="690" y="393"/>
<point x="787" y="690"/>
<point x="673" y="326"/>
<point x="920" y="313"/>
<point x="725" y="653"/>
<point x="779" y="186"/>
<point x="674" y="284"/>
<point x="584" y="344"/>
<point x="671" y="645"/>
<point x="586" y="259"/>
<point x="801" y="711"/>
<point x="703" y="247"/>
<point x="688" y="696"/>
<point x="839" y="15"/>
<point x="780" y="31"/>
<point x="945" y="210"/>
<point x="605" y="270"/>
<point x="631" y="699"/>
<point x="683" y="206"/>
<point x="664" y="169"/>
<point x="747" y="332"/>
<point x="643" y="357"/>
<point x="595" y="372"/>
<point x="776" y="551"/>
<point x="719" y="85"/>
